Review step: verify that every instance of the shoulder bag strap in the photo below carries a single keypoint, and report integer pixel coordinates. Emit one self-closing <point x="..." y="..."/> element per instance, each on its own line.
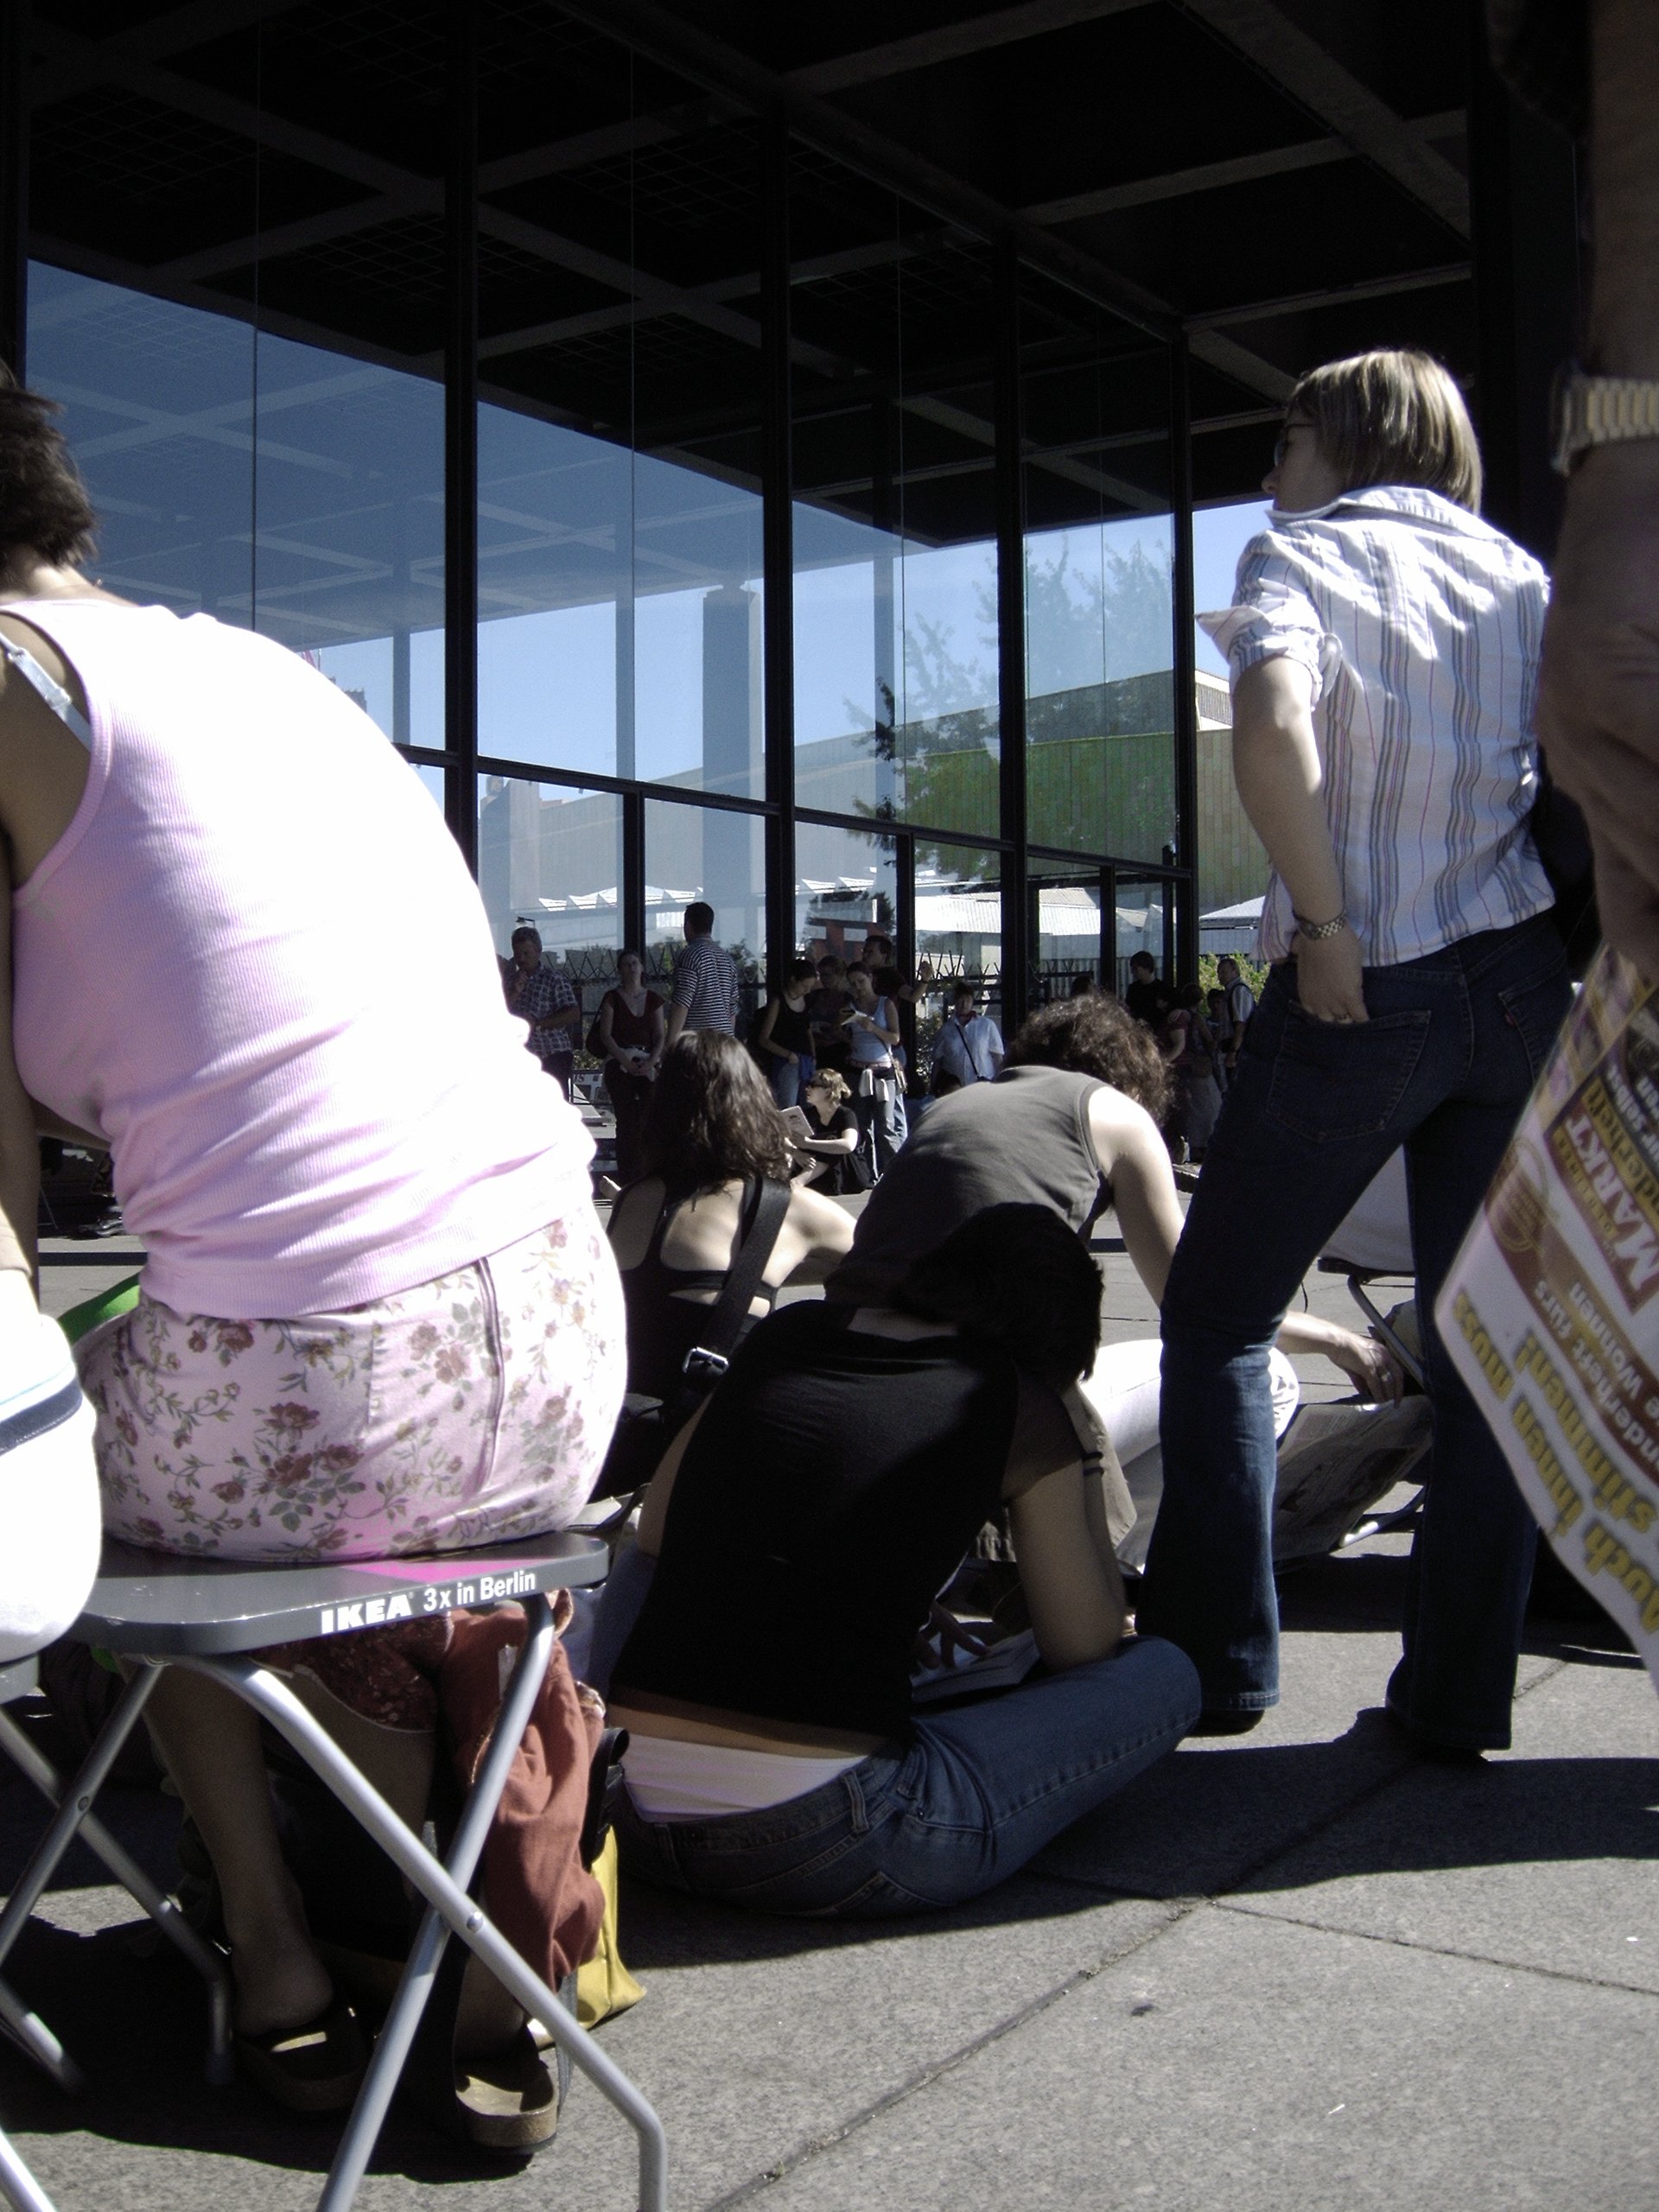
<point x="763" y="1214"/>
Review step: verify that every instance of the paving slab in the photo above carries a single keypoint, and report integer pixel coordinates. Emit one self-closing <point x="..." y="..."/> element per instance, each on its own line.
<point x="1268" y="2068"/>
<point x="761" y="2036"/>
<point x="756" y="2037"/>
<point x="1546" y="1856"/>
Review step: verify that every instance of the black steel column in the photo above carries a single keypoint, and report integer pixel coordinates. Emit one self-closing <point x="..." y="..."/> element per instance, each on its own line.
<point x="778" y="544"/>
<point x="1011" y="639"/>
<point x="460" y="436"/>
<point x="1186" y="690"/>
<point x="631" y="918"/>
<point x="1524" y="203"/>
<point x="14" y="180"/>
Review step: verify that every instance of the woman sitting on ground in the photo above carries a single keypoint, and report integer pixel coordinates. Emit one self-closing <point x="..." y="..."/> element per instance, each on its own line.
<point x="832" y="1145"/>
<point x="712" y="1138"/>
<point x="1071" y="1122"/>
<point x="835" y="1481"/>
<point x="377" y="1315"/>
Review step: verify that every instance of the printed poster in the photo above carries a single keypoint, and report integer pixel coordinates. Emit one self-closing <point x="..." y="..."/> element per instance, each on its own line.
<point x="1551" y="1312"/>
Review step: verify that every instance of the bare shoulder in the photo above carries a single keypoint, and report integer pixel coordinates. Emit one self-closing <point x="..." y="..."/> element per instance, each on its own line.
<point x="1123" y="1132"/>
<point x="820" y="1219"/>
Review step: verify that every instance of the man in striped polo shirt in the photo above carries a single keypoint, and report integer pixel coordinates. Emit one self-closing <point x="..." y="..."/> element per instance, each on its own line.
<point x="705" y="989"/>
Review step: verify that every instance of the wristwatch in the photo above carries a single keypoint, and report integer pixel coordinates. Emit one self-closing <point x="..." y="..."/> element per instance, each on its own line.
<point x="1316" y="932"/>
<point x="1588" y="410"/>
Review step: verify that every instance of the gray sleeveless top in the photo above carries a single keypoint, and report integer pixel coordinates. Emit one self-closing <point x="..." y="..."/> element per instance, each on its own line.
<point x="1023" y="1140"/>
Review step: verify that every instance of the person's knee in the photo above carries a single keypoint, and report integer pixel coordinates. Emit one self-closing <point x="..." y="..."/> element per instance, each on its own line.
<point x="1169" y="1679"/>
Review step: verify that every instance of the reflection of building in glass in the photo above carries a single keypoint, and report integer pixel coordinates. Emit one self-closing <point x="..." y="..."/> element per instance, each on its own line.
<point x="821" y="525"/>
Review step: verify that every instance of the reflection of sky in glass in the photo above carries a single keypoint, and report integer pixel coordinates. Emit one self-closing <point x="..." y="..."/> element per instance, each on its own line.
<point x="547" y="688"/>
<point x="1099" y="599"/>
<point x="1219" y="536"/>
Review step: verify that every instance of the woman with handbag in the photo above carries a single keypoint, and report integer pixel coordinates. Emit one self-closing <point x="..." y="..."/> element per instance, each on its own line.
<point x="712" y="1140"/>
<point x="834" y="1483"/>
<point x="627" y="1035"/>
<point x="872" y="1026"/>
<point x="375" y="1316"/>
<point x="1384" y="646"/>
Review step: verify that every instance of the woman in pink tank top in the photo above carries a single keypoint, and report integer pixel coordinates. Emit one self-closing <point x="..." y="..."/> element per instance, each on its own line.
<point x="377" y="1314"/>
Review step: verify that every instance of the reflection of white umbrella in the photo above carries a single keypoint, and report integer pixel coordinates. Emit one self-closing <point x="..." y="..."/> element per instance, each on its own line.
<point x="1247" y="910"/>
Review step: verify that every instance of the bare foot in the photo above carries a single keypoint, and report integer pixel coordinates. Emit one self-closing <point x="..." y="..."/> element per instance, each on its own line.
<point x="280" y="1980"/>
<point x="488" y="2015"/>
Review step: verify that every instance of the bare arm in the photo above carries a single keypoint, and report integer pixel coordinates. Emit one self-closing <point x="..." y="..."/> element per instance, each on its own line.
<point x="827" y="1231"/>
<point x="1056" y="1514"/>
<point x="768" y="1023"/>
<point x="1281" y="784"/>
<point x="20" y="1153"/>
<point x="1599" y="700"/>
<point x="676" y="1025"/>
<point x="607" y="1028"/>
<point x="889" y="1037"/>
<point x="1131" y="1154"/>
<point x="1368" y="1362"/>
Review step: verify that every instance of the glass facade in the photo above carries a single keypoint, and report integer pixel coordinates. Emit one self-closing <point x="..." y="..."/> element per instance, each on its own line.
<point x="820" y="556"/>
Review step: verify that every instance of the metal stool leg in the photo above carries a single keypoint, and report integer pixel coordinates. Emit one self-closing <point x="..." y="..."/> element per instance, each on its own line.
<point x="36" y="2041"/>
<point x="274" y="1702"/>
<point x="31" y="1761"/>
<point x="17" y="2185"/>
<point x="402" y="2021"/>
<point x="76" y="1803"/>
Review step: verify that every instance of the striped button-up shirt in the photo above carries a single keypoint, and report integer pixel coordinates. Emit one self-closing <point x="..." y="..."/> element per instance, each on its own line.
<point x="1420" y="626"/>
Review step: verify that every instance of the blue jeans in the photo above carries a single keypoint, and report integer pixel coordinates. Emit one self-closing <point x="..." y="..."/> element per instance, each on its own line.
<point x="878" y="1114"/>
<point x="789" y="1079"/>
<point x="965" y="1803"/>
<point x="1453" y="1046"/>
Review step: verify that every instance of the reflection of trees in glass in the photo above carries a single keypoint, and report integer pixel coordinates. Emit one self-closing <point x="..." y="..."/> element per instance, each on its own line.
<point x="1099" y="652"/>
<point x="1083" y="628"/>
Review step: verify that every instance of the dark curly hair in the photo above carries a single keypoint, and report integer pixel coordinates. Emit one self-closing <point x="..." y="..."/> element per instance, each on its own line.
<point x="711" y="1119"/>
<point x="1098" y="1037"/>
<point x="1014" y="1276"/>
<point x="44" y="509"/>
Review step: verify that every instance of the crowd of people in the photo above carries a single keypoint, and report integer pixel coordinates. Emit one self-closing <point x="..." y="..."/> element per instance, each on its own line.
<point x="381" y="1316"/>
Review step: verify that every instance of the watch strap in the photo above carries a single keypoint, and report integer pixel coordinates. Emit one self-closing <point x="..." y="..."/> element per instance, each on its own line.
<point x="1601" y="411"/>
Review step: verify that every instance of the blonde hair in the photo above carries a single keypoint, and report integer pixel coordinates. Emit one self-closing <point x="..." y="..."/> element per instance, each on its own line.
<point x="831" y="1082"/>
<point x="1392" y="418"/>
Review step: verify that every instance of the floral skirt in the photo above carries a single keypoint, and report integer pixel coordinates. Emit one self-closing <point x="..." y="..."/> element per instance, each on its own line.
<point x="469" y="1410"/>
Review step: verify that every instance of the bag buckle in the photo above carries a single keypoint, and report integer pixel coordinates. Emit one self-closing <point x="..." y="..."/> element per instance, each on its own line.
<point x="701" y="1365"/>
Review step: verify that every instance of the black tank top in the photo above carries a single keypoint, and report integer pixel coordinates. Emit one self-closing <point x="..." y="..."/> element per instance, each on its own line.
<point x="835" y="1483"/>
<point x="662" y="1328"/>
<point x="791" y="1029"/>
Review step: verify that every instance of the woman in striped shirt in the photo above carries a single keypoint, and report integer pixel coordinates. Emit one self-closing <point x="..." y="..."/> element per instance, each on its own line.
<point x="1384" y="653"/>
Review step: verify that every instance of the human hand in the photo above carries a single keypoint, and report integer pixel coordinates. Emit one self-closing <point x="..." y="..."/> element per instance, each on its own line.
<point x="1375" y="1370"/>
<point x="1598" y="697"/>
<point x="1329" y="978"/>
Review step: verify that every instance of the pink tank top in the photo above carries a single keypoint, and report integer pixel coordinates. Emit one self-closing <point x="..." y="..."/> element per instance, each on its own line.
<point x="255" y="963"/>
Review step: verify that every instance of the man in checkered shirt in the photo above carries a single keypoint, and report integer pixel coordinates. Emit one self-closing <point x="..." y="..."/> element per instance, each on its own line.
<point x="548" y="1000"/>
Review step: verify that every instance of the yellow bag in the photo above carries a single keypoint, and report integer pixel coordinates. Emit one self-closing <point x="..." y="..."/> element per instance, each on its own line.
<point x="604" y="1986"/>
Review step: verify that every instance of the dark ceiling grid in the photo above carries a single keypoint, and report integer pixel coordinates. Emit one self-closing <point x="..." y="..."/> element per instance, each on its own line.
<point x="156" y="78"/>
